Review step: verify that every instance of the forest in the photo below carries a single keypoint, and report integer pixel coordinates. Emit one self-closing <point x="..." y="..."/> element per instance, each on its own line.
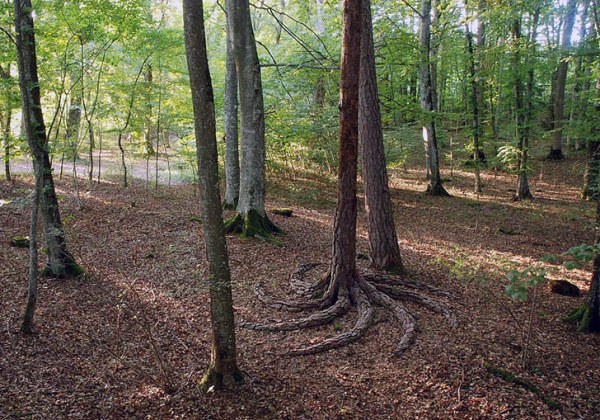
<point x="299" y="209"/>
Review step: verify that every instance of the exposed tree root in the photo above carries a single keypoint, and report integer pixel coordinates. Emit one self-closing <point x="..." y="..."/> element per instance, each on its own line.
<point x="365" y="320"/>
<point x="323" y="317"/>
<point x="360" y="292"/>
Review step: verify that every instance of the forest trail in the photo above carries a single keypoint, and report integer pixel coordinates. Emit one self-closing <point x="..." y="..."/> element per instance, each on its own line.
<point x="92" y="356"/>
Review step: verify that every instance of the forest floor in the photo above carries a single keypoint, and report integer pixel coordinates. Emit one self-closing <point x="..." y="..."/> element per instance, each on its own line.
<point x="106" y="345"/>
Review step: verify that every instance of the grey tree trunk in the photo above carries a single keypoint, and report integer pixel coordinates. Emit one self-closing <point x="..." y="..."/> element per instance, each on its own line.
<point x="5" y="121"/>
<point x="475" y="119"/>
<point x="29" y="313"/>
<point x="556" y="152"/>
<point x="523" y="191"/>
<point x="232" y="156"/>
<point x="223" y="370"/>
<point x="434" y="180"/>
<point x="383" y="241"/>
<point x="60" y="262"/>
<point x="250" y="218"/>
<point x="74" y="117"/>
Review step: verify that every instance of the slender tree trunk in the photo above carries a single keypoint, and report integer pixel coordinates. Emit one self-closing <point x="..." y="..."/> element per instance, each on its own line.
<point x="475" y="120"/>
<point x="223" y="370"/>
<point x="74" y="118"/>
<point x="556" y="152"/>
<point x="232" y="156"/>
<point x="6" y="138"/>
<point x="60" y="261"/>
<point x="434" y="179"/>
<point x="343" y="258"/>
<point x="5" y="122"/>
<point x="29" y="313"/>
<point x="578" y="73"/>
<point x="592" y="170"/>
<point x="523" y="191"/>
<point x="250" y="218"/>
<point x="383" y="241"/>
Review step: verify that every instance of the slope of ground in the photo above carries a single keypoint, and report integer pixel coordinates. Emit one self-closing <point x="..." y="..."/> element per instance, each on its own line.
<point x="106" y="346"/>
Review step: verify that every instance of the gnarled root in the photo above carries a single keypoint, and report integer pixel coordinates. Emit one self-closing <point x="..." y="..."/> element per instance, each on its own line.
<point x="357" y="291"/>
<point x="365" y="320"/>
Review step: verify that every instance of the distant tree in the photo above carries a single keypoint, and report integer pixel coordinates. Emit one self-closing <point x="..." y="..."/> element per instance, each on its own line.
<point x="223" y="370"/>
<point x="6" y="117"/>
<point x="232" y="156"/>
<point x="558" y="108"/>
<point x="250" y="218"/>
<point x="428" y="103"/>
<point x="60" y="262"/>
<point x="383" y="241"/>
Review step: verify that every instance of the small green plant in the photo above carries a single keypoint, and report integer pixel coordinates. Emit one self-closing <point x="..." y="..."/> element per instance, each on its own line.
<point x="522" y="281"/>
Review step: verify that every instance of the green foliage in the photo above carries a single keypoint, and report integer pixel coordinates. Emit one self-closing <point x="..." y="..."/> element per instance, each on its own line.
<point x="521" y="281"/>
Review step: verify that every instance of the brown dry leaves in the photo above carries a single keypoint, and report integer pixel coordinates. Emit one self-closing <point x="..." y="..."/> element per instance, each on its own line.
<point x="106" y="345"/>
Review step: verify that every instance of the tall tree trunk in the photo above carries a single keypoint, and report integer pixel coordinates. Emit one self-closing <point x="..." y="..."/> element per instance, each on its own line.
<point x="343" y="258"/>
<point x="60" y="262"/>
<point x="5" y="120"/>
<point x="29" y="313"/>
<point x="74" y="117"/>
<point x="383" y="241"/>
<point x="556" y="152"/>
<point x="434" y="179"/>
<point x="592" y="170"/>
<point x="475" y="120"/>
<point x="250" y="218"/>
<point x="232" y="156"/>
<point x="577" y="106"/>
<point x="223" y="370"/>
<point x="523" y="191"/>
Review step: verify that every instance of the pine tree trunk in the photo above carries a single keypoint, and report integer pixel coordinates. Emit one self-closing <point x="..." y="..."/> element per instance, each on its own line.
<point x="60" y="262"/>
<point x="232" y="157"/>
<point x="343" y="258"/>
<point x="383" y="241"/>
<point x="251" y="219"/>
<point x="434" y="180"/>
<point x="223" y="370"/>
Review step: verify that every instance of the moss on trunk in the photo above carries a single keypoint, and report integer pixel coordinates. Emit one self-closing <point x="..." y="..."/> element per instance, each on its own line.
<point x="215" y="380"/>
<point x="251" y="224"/>
<point x="584" y="319"/>
<point x="67" y="269"/>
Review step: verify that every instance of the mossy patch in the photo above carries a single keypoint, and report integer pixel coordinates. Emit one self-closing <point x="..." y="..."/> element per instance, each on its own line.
<point x="509" y="376"/>
<point x="283" y="212"/>
<point x="251" y="225"/>
<point x="19" y="241"/>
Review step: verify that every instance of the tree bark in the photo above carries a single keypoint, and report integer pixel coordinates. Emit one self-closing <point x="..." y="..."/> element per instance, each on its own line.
<point x="383" y="241"/>
<point x="232" y="157"/>
<point x="250" y="218"/>
<point x="475" y="119"/>
<point x="60" y="261"/>
<point x="223" y="370"/>
<point x="343" y="258"/>
<point x="5" y="121"/>
<point x="434" y="179"/>
<point x="556" y="152"/>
